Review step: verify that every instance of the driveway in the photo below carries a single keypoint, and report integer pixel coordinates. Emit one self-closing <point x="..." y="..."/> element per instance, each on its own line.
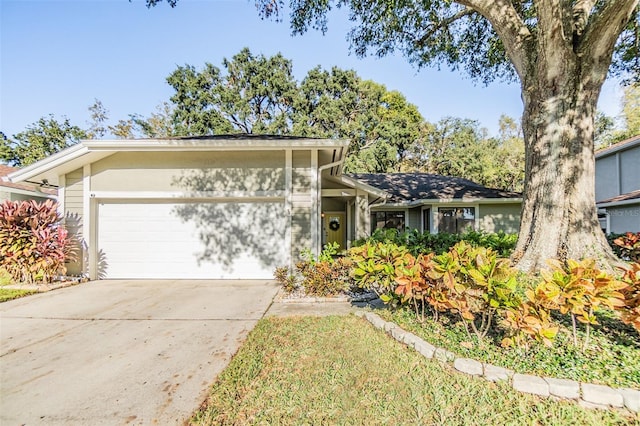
<point x="121" y="352"/>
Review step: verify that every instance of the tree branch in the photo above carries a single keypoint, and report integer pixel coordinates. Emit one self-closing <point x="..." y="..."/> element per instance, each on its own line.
<point x="444" y="23"/>
<point x="603" y="29"/>
<point x="510" y="28"/>
<point x="581" y="11"/>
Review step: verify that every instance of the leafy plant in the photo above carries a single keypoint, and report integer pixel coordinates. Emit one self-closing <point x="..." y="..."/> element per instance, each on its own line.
<point x="375" y="265"/>
<point x="325" y="278"/>
<point x="628" y="246"/>
<point x="580" y="289"/>
<point x="630" y="312"/>
<point x="287" y="279"/>
<point x="33" y="245"/>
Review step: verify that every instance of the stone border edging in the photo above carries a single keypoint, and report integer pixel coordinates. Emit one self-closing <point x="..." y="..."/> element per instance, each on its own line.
<point x="586" y="394"/>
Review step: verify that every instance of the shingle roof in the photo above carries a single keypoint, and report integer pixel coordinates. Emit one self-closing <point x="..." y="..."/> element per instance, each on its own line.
<point x="627" y="143"/>
<point x="408" y="187"/>
<point x="5" y="170"/>
<point x="633" y="195"/>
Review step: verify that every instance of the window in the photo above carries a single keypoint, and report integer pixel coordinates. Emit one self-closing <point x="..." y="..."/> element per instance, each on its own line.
<point x="389" y="220"/>
<point x="456" y="220"/>
<point x="426" y="220"/>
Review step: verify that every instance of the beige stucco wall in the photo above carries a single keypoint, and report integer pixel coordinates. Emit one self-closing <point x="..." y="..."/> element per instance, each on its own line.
<point x="499" y="217"/>
<point x="301" y="203"/>
<point x="73" y="211"/>
<point x="190" y="171"/>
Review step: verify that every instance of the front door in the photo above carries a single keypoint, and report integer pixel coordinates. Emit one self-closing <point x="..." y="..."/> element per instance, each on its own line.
<point x="335" y="225"/>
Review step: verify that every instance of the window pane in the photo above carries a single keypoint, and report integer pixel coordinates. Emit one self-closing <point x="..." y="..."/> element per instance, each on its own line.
<point x="426" y="220"/>
<point x="447" y="220"/>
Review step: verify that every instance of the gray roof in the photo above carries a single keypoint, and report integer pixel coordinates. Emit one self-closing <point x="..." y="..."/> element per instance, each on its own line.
<point x="411" y="187"/>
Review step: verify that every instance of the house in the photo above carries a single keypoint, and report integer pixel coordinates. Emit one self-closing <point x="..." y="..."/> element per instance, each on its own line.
<point x="434" y="203"/>
<point x="227" y="207"/>
<point x="22" y="191"/>
<point x="203" y="207"/>
<point x="618" y="186"/>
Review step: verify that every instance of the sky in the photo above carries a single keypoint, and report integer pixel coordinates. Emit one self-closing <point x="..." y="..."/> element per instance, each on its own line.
<point x="57" y="57"/>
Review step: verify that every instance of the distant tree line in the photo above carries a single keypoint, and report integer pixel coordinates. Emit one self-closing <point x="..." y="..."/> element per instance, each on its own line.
<point x="259" y="95"/>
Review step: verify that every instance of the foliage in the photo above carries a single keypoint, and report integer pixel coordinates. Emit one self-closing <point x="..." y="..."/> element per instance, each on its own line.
<point x="579" y="289"/>
<point x="418" y="242"/>
<point x="33" y="245"/>
<point x="628" y="246"/>
<point x="314" y="371"/>
<point x="611" y="359"/>
<point x="460" y="147"/>
<point x="375" y="265"/>
<point x="41" y="139"/>
<point x="286" y="279"/>
<point x="631" y="310"/>
<point x="325" y="278"/>
<point x="469" y="281"/>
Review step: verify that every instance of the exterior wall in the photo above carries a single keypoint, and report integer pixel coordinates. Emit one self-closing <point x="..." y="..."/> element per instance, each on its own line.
<point x="607" y="178"/>
<point x="12" y="196"/>
<point x="190" y="171"/>
<point x="624" y="218"/>
<point x="301" y="203"/>
<point x="73" y="215"/>
<point x="629" y="170"/>
<point x="618" y="173"/>
<point x="499" y="217"/>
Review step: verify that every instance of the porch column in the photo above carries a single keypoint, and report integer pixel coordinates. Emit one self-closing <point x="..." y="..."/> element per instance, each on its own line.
<point x="363" y="224"/>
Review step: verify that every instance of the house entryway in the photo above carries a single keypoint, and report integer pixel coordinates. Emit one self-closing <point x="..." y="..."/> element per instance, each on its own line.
<point x="335" y="225"/>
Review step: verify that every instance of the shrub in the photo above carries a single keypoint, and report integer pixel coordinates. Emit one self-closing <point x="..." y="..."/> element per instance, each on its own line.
<point x="630" y="312"/>
<point x="627" y="246"/>
<point x="419" y="243"/>
<point x="325" y="278"/>
<point x="579" y="289"/>
<point x="375" y="265"/>
<point x="33" y="245"/>
<point x="286" y="278"/>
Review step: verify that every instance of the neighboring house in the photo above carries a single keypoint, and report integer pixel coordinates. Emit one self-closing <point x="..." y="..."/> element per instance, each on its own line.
<point x="618" y="186"/>
<point x="203" y="207"/>
<point x="22" y="191"/>
<point x="434" y="203"/>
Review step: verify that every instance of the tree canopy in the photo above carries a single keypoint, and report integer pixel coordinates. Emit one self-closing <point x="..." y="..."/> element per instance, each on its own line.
<point x="41" y="139"/>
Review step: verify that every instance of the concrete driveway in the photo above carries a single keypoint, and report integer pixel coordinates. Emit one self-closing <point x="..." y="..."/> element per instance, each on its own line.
<point x="121" y="352"/>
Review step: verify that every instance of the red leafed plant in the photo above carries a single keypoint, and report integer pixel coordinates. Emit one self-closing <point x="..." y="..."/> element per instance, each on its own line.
<point x="631" y="309"/>
<point x="33" y="245"/>
<point x="629" y="246"/>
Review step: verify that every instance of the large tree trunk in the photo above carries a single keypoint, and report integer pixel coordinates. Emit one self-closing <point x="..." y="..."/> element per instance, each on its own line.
<point x="559" y="217"/>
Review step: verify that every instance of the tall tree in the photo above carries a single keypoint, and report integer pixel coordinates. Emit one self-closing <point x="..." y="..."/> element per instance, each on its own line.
<point x="560" y="51"/>
<point x="255" y="95"/>
<point x="41" y="139"/>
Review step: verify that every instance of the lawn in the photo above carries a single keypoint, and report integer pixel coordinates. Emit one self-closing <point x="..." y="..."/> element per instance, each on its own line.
<point x="10" y="293"/>
<point x="612" y="358"/>
<point x="340" y="370"/>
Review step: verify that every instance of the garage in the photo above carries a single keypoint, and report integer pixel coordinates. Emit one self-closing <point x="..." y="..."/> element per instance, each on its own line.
<point x="198" y="240"/>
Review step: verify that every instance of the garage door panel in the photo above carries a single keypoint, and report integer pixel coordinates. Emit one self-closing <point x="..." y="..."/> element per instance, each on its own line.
<point x="191" y="240"/>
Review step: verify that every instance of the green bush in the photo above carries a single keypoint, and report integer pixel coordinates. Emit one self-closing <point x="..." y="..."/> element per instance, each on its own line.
<point x="419" y="243"/>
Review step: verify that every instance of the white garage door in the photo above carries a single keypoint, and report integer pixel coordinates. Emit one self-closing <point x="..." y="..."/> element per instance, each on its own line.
<point x="190" y="240"/>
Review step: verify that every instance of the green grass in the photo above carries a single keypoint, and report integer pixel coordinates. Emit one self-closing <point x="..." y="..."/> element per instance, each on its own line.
<point x="340" y="370"/>
<point x="10" y="294"/>
<point x="612" y="357"/>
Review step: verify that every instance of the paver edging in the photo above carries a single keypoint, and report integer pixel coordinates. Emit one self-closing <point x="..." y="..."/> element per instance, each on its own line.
<point x="586" y="394"/>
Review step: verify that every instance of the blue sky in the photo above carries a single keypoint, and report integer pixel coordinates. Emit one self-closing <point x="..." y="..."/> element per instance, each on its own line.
<point x="58" y="56"/>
